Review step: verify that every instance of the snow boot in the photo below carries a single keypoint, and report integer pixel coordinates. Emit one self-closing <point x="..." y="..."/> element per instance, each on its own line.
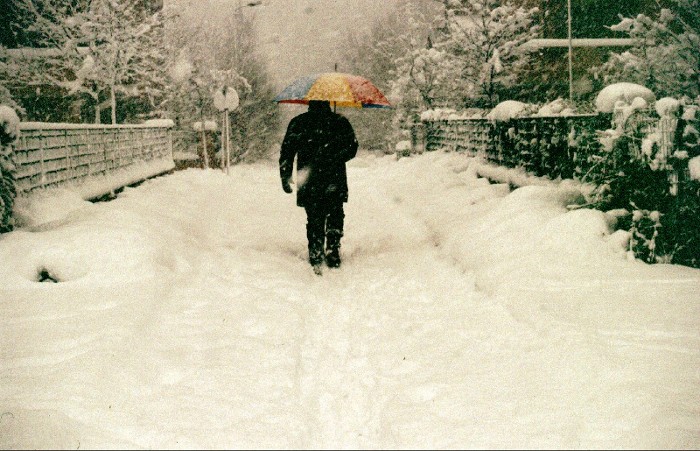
<point x="316" y="242"/>
<point x="333" y="248"/>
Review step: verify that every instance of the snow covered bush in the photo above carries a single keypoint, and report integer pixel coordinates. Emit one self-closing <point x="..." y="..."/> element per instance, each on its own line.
<point x="9" y="132"/>
<point x="643" y="166"/>
<point x="558" y="107"/>
<point x="608" y="98"/>
<point x="643" y="234"/>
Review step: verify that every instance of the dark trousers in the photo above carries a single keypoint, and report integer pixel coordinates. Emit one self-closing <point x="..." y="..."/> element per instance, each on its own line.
<point x="324" y="229"/>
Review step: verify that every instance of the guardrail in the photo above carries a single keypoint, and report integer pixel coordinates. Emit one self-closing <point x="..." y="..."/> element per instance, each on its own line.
<point x="546" y="145"/>
<point x="50" y="154"/>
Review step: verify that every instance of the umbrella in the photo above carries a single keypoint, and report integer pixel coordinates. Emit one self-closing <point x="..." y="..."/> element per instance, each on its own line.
<point x="341" y="89"/>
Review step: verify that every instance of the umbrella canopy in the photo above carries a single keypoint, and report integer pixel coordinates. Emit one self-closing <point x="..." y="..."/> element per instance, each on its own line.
<point x="341" y="89"/>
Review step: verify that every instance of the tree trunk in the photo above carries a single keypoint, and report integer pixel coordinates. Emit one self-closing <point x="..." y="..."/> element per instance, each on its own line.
<point x="113" y="105"/>
<point x="98" y="112"/>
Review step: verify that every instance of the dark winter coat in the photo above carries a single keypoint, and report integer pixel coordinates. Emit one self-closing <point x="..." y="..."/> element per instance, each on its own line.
<point x="322" y="141"/>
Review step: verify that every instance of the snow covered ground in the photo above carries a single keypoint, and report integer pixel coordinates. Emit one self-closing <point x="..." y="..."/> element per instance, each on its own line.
<point x="464" y="316"/>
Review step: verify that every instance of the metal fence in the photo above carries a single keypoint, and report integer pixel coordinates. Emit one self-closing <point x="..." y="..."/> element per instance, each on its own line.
<point x="467" y="135"/>
<point x="542" y="145"/>
<point x="48" y="154"/>
<point x="565" y="146"/>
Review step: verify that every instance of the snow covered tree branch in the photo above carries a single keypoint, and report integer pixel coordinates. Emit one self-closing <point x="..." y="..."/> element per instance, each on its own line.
<point x="486" y="37"/>
<point x="665" y="56"/>
<point x="101" y="48"/>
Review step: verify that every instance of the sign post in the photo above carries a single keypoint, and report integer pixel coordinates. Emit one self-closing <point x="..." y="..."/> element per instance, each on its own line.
<point x="225" y="100"/>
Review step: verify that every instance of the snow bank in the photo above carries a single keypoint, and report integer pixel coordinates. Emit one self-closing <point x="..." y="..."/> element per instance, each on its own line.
<point x="53" y="203"/>
<point x="47" y="205"/>
<point x="608" y="97"/>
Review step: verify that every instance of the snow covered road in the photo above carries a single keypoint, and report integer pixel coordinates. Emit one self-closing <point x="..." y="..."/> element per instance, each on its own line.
<point x="464" y="316"/>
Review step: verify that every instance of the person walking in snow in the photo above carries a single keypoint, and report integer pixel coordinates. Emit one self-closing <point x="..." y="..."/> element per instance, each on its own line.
<point x="322" y="142"/>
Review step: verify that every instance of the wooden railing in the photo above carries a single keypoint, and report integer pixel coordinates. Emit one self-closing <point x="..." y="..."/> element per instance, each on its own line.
<point x="49" y="154"/>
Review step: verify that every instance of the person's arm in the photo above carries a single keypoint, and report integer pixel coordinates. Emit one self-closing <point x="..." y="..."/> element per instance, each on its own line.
<point x="287" y="154"/>
<point x="348" y="140"/>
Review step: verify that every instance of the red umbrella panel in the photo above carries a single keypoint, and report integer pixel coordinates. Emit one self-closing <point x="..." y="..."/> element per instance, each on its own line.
<point x="335" y="87"/>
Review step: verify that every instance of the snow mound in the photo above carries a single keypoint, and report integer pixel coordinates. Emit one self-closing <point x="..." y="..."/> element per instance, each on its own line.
<point x="47" y="205"/>
<point x="625" y="92"/>
<point x="508" y="110"/>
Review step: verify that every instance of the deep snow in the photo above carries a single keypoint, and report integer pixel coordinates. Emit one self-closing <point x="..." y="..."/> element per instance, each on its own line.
<point x="464" y="316"/>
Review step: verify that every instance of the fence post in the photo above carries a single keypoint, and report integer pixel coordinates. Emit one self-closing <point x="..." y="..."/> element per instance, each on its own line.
<point x="103" y="142"/>
<point x="170" y="141"/>
<point x="42" y="163"/>
<point x="88" y="141"/>
<point x="418" y="137"/>
<point x="72" y="146"/>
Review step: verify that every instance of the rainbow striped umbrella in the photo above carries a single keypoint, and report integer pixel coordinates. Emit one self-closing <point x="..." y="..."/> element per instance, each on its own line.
<point x="335" y="87"/>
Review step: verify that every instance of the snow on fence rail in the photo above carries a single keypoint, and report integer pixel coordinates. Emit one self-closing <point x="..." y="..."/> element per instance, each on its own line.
<point x="50" y="154"/>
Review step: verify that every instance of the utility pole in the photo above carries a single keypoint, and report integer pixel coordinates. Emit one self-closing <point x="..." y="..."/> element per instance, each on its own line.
<point x="571" y="73"/>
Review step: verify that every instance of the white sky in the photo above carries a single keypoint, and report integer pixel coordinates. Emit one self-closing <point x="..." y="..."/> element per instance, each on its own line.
<point x="301" y="36"/>
<point x="464" y="316"/>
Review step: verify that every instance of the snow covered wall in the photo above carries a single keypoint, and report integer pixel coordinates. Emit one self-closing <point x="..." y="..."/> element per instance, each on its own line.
<point x="95" y="159"/>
